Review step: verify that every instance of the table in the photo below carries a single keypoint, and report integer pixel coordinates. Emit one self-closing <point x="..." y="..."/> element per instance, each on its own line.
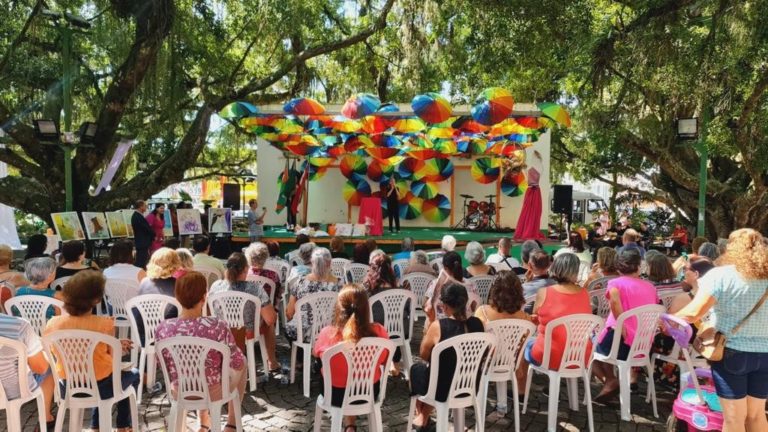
<point x="370" y="208"/>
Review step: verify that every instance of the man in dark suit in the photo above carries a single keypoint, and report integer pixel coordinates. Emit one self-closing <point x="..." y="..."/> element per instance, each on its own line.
<point x="143" y="234"/>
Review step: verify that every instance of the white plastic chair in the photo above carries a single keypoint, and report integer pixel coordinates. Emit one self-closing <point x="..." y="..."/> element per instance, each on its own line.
<point x="8" y="287"/>
<point x="362" y="363"/>
<point x="437" y="264"/>
<point x="511" y="335"/>
<point x="579" y="330"/>
<point x="211" y="274"/>
<point x="584" y="269"/>
<point x="600" y="283"/>
<point x="282" y="268"/>
<point x="472" y="352"/>
<point x="394" y="303"/>
<point x="229" y="306"/>
<point x="418" y="284"/>
<point x="400" y="266"/>
<point x="116" y="293"/>
<point x="15" y="352"/>
<point x="337" y="267"/>
<point x="667" y="295"/>
<point x="482" y="286"/>
<point x="263" y="282"/>
<point x="647" y="319"/>
<point x="321" y="305"/>
<point x="600" y="303"/>
<point x="74" y="349"/>
<point x="33" y="308"/>
<point x="151" y="309"/>
<point x="355" y="273"/>
<point x="58" y="284"/>
<point x="529" y="302"/>
<point x="189" y="355"/>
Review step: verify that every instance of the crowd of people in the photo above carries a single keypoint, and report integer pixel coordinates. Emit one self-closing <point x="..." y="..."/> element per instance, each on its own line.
<point x="536" y="285"/>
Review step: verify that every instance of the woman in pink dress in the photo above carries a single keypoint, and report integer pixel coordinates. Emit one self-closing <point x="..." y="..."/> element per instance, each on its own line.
<point x="156" y="220"/>
<point x="529" y="224"/>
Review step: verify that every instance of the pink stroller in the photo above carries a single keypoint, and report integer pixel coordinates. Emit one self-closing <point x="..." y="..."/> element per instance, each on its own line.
<point x="697" y="407"/>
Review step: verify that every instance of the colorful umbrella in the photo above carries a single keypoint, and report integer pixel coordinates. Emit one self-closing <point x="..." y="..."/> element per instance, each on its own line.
<point x="238" y="110"/>
<point x="287" y="126"/>
<point x="472" y="146"/>
<point x="360" y="105"/>
<point x="345" y="125"/>
<point x="315" y="172"/>
<point x="424" y="189"/>
<point x="385" y="140"/>
<point x="437" y="170"/>
<point x="469" y="125"/>
<point x="304" y="146"/>
<point x="424" y="154"/>
<point x="320" y="161"/>
<point x="409" y="167"/>
<point x="446" y="147"/>
<point x="440" y="132"/>
<point x="356" y="142"/>
<point x="303" y="106"/>
<point x="353" y="167"/>
<point x="485" y="170"/>
<point x="556" y="112"/>
<point x="382" y="152"/>
<point x="530" y="122"/>
<point x="436" y="209"/>
<point x="493" y="105"/>
<point x="356" y="190"/>
<point x="410" y="206"/>
<point x="375" y="124"/>
<point x="378" y="171"/>
<point x="431" y="107"/>
<point x="514" y="184"/>
<point x="388" y="107"/>
<point x="409" y="125"/>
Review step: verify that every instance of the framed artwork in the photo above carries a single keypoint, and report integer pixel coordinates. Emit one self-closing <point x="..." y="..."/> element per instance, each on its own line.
<point x="220" y="220"/>
<point x="68" y="226"/>
<point x="116" y="223"/>
<point x="96" y="227"/>
<point x="127" y="221"/>
<point x="168" y="224"/>
<point x="189" y="221"/>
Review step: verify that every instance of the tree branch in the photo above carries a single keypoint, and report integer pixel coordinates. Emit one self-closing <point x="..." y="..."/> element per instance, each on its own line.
<point x="26" y="167"/>
<point x="20" y="36"/>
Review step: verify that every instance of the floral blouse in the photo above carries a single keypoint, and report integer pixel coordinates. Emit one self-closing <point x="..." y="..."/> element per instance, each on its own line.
<point x="207" y="328"/>
<point x="305" y="287"/>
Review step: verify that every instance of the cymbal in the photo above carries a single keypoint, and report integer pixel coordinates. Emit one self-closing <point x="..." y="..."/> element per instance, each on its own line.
<point x="466" y="196"/>
<point x="491" y="196"/>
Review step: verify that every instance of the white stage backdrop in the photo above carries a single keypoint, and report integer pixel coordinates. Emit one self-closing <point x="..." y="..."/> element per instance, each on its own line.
<point x="8" y="233"/>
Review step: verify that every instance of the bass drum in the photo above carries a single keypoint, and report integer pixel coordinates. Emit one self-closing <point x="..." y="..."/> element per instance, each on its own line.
<point x="474" y="220"/>
<point x="474" y="206"/>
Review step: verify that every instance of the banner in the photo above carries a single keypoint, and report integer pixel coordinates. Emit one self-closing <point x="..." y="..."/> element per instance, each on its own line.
<point x="8" y="233"/>
<point x="122" y="149"/>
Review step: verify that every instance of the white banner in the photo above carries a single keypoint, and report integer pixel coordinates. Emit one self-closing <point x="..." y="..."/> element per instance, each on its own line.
<point x="117" y="158"/>
<point x="8" y="233"/>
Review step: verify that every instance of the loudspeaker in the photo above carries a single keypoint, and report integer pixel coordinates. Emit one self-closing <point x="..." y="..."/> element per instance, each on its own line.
<point x="562" y="201"/>
<point x="231" y="193"/>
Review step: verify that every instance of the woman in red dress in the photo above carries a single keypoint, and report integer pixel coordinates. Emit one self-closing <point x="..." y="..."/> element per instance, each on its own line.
<point x="156" y="220"/>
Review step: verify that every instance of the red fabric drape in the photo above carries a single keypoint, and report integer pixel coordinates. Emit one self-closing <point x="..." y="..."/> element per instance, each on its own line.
<point x="530" y="218"/>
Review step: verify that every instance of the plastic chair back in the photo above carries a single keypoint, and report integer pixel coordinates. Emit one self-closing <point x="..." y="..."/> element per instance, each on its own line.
<point x="511" y="335"/>
<point x="188" y="356"/>
<point x="152" y="309"/>
<point x="230" y="306"/>
<point x="34" y="309"/>
<point x="472" y="351"/>
<point x="394" y="302"/>
<point x="579" y="328"/>
<point x="282" y="268"/>
<point x="319" y="306"/>
<point x="355" y="273"/>
<point x="482" y="286"/>
<point x="338" y="265"/>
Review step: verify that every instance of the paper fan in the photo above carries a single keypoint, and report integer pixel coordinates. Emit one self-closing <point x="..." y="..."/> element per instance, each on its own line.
<point x="424" y="189"/>
<point x="514" y="184"/>
<point x="410" y="206"/>
<point x="436" y="209"/>
<point x="356" y="190"/>
<point x="437" y="170"/>
<point x="353" y="165"/>
<point x="485" y="170"/>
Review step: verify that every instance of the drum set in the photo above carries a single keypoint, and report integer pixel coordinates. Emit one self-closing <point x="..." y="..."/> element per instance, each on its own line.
<point x="478" y="215"/>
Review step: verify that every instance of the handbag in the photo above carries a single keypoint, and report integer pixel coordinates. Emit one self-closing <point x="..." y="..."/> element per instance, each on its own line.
<point x="710" y="342"/>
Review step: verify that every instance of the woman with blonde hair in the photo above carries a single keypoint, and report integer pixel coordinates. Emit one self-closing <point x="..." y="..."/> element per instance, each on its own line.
<point x="737" y="291"/>
<point x="351" y="322"/>
<point x="163" y="264"/>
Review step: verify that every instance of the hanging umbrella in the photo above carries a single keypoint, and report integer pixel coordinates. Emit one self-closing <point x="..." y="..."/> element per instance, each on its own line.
<point x="529" y="122"/>
<point x="345" y="125"/>
<point x="437" y="170"/>
<point x="238" y="110"/>
<point x="424" y="154"/>
<point x="356" y="142"/>
<point x="353" y="166"/>
<point x="431" y="107"/>
<point x="303" y="106"/>
<point x="374" y="124"/>
<point x="409" y="167"/>
<point x="556" y="112"/>
<point x="410" y="206"/>
<point x="472" y="146"/>
<point x="385" y="140"/>
<point x="441" y="132"/>
<point x="514" y="184"/>
<point x="314" y="172"/>
<point x="304" y="146"/>
<point x="287" y="126"/>
<point x="507" y="127"/>
<point x="378" y="171"/>
<point x="436" y="209"/>
<point x="493" y="105"/>
<point x="393" y="161"/>
<point x="355" y="190"/>
<point x="446" y="147"/>
<point x="336" y="151"/>
<point x="485" y="170"/>
<point x="424" y="189"/>
<point x="409" y="125"/>
<point x="469" y="125"/>
<point x="360" y="105"/>
<point x="388" y="107"/>
<point x="382" y="152"/>
<point x="320" y="160"/>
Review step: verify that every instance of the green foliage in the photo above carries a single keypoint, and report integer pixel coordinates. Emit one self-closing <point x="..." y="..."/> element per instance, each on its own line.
<point x="28" y="225"/>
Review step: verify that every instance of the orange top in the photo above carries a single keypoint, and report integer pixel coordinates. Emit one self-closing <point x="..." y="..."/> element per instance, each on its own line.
<point x="557" y="305"/>
<point x="102" y="358"/>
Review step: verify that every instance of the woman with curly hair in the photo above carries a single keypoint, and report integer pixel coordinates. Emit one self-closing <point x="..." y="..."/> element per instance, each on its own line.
<point x="734" y="290"/>
<point x="380" y="275"/>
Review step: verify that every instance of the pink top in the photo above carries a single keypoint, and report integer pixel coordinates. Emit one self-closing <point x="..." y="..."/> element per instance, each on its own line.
<point x="633" y="292"/>
<point x="206" y="328"/>
<point x="533" y="177"/>
<point x="157" y="225"/>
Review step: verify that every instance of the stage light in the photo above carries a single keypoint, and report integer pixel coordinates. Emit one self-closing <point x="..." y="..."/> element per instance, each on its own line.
<point x="87" y="132"/>
<point x="46" y="130"/>
<point x="688" y="128"/>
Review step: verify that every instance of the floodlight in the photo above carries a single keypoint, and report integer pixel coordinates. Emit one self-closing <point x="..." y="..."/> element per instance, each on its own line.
<point x="87" y="132"/>
<point x="688" y="128"/>
<point x="46" y="130"/>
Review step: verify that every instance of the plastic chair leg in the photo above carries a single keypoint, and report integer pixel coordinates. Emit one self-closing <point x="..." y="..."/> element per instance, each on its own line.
<point x="75" y="419"/>
<point x="588" y="398"/>
<point x="407" y="358"/>
<point x="318" y="418"/>
<point x="60" y="416"/>
<point x="13" y="417"/>
<point x="251" y="353"/>
<point x="151" y="368"/>
<point x="441" y="412"/>
<point x="263" y="353"/>
<point x="105" y="416"/>
<point x="134" y="411"/>
<point x="458" y="419"/>
<point x="624" y="391"/>
<point x="236" y="408"/>
<point x="480" y="402"/>
<point x="515" y="403"/>
<point x="378" y="420"/>
<point x="572" y="385"/>
<point x="293" y="362"/>
<point x="652" y="390"/>
<point x="215" y="410"/>
<point x="527" y="388"/>
<point x="142" y="366"/>
<point x="336" y="420"/>
<point x="501" y="394"/>
<point x="411" y="413"/>
<point x="307" y="367"/>
<point x="554" y="398"/>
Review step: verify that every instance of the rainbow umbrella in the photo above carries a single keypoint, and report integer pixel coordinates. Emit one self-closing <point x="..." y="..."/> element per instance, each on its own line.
<point x="287" y="126"/>
<point x="238" y="110"/>
<point x="446" y="147"/>
<point x="470" y="145"/>
<point x="388" y="107"/>
<point x="409" y="167"/>
<point x="424" y="154"/>
<point x="431" y="107"/>
<point x="356" y="142"/>
<point x="507" y="127"/>
<point x="485" y="170"/>
<point x="514" y="184"/>
<point x="303" y="106"/>
<point x="530" y="122"/>
<point x="374" y="124"/>
<point x="355" y="190"/>
<point x="360" y="105"/>
<point x="336" y="151"/>
<point x="320" y="161"/>
<point x="315" y="172"/>
<point x="379" y="172"/>
<point x="440" y="132"/>
<point x="409" y="125"/>
<point x="436" y="209"/>
<point x="345" y="125"/>
<point x="424" y="189"/>
<point x="437" y="170"/>
<point x="304" y="146"/>
<point x="469" y="125"/>
<point x="353" y="166"/>
<point x="417" y="141"/>
<point x="402" y="186"/>
<point x="493" y="105"/>
<point x="394" y="160"/>
<point x="385" y="140"/>
<point x="556" y="112"/>
<point x="382" y="152"/>
<point x="410" y="206"/>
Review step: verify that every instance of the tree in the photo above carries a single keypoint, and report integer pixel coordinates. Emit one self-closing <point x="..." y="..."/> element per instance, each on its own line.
<point x="156" y="70"/>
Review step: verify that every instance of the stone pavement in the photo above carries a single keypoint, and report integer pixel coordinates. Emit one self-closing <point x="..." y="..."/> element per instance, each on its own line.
<point x="278" y="407"/>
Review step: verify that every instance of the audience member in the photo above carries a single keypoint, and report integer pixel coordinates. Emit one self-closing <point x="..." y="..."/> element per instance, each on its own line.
<point x="318" y="280"/>
<point x="538" y="273"/>
<point x="503" y="255"/>
<point x="191" y="322"/>
<point x="257" y="255"/>
<point x="7" y="275"/>
<point x="419" y="263"/>
<point x="406" y="247"/>
<point x="646" y="235"/>
<point x="337" y="248"/>
<point x="162" y="265"/>
<point x="300" y="240"/>
<point x="374" y="253"/>
<point x="36" y="246"/>
<point x="452" y="272"/>
<point x="72" y="259"/>
<point x="708" y="250"/>
<point x="660" y="271"/>
<point x="186" y="259"/>
<point x="576" y="247"/>
<point x="302" y="265"/>
<point x="172" y="243"/>
<point x="679" y="240"/>
<point x="122" y="263"/>
<point x="143" y="233"/>
<point x="448" y="243"/>
<point x="525" y="255"/>
<point x="274" y="249"/>
<point x="475" y="255"/>
<point x="629" y="241"/>
<point x="604" y="267"/>
<point x="203" y="259"/>
<point x="371" y="245"/>
<point x="40" y="272"/>
<point x="380" y="275"/>
<point x="361" y="254"/>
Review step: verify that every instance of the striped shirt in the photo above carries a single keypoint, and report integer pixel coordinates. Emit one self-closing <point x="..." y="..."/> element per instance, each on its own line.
<point x="17" y="329"/>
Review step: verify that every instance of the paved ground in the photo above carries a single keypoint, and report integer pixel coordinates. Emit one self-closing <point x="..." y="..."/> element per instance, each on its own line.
<point x="278" y="407"/>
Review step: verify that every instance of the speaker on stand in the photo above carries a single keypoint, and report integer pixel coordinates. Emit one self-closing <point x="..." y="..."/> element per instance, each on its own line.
<point x="231" y="195"/>
<point x="562" y="204"/>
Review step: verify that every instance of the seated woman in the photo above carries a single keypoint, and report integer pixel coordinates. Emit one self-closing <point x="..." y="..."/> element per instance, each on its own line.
<point x="303" y="269"/>
<point x="274" y="249"/>
<point x="419" y="263"/>
<point x="318" y="280"/>
<point x="121" y="263"/>
<point x="576" y="247"/>
<point x="163" y="263"/>
<point x="337" y="248"/>
<point x="381" y="277"/>
<point x="82" y="292"/>
<point x="7" y="275"/>
<point x="235" y="279"/>
<point x="452" y="273"/>
<point x="191" y="294"/>
<point x="564" y="298"/>
<point x="605" y="265"/>
<point x="257" y="254"/>
<point x="187" y="261"/>
<point x="40" y="272"/>
<point x="350" y="324"/>
<point x="36" y="246"/>
<point x="361" y="254"/>
<point x="506" y="301"/>
<point x="72" y="259"/>
<point x="625" y="293"/>
<point x="659" y="269"/>
<point x="453" y="298"/>
<point x="475" y="255"/>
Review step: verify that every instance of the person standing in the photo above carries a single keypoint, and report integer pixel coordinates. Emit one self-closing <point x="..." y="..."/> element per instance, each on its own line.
<point x="393" y="204"/>
<point x="143" y="234"/>
<point x="156" y="220"/>
<point x="256" y="220"/>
